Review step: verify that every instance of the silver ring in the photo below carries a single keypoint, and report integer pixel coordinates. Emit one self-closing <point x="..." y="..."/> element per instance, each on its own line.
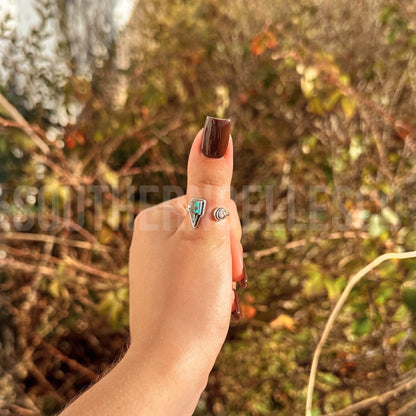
<point x="220" y="213"/>
<point x="196" y="210"/>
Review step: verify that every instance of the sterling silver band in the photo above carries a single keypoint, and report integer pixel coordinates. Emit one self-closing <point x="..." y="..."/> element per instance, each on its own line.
<point x="196" y="209"/>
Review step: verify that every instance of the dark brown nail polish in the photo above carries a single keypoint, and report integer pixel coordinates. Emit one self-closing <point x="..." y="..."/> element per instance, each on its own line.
<point x="244" y="280"/>
<point x="215" y="137"/>
<point x="236" y="313"/>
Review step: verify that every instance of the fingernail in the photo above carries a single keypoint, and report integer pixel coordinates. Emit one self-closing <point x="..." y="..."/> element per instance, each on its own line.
<point x="215" y="137"/>
<point x="236" y="313"/>
<point x="244" y="280"/>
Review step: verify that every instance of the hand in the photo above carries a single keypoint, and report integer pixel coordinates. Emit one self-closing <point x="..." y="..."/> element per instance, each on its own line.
<point x="181" y="293"/>
<point x="181" y="277"/>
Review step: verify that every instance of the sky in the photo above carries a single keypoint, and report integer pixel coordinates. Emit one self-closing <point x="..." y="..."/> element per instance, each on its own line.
<point x="22" y="12"/>
<point x="23" y="18"/>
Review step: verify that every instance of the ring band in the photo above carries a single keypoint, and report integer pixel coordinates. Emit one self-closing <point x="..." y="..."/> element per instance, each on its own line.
<point x="196" y="209"/>
<point x="220" y="213"/>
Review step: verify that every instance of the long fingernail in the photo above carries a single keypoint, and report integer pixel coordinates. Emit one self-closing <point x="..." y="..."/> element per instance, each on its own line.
<point x="215" y="137"/>
<point x="244" y="280"/>
<point x="236" y="313"/>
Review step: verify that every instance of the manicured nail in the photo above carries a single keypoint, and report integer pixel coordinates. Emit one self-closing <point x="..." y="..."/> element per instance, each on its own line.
<point x="236" y="313"/>
<point x="244" y="280"/>
<point x="215" y="137"/>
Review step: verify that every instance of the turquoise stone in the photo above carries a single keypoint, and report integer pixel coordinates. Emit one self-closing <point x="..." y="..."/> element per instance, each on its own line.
<point x="196" y="210"/>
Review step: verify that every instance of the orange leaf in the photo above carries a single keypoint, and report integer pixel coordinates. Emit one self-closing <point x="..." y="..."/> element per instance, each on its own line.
<point x="257" y="45"/>
<point x="243" y="98"/>
<point x="402" y="129"/>
<point x="271" y="40"/>
<point x="79" y="137"/>
<point x="70" y="141"/>
<point x="248" y="311"/>
<point x="283" y="321"/>
<point x="144" y="111"/>
<point x="263" y="40"/>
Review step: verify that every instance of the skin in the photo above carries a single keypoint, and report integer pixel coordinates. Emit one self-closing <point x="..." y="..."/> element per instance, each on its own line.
<point x="181" y="297"/>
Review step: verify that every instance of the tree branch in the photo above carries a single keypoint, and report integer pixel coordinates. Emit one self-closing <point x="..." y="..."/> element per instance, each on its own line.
<point x="403" y="411"/>
<point x="51" y="271"/>
<point x="380" y="400"/>
<point x="75" y="365"/>
<point x="300" y="243"/>
<point x="353" y="281"/>
<point x="52" y="239"/>
<point x="24" y="125"/>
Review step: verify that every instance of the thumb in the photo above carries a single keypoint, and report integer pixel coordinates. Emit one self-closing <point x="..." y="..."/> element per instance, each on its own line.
<point x="210" y="168"/>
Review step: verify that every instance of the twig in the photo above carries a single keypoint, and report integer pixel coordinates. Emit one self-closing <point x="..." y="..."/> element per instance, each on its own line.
<point x="71" y="179"/>
<point x="43" y="380"/>
<point x="93" y="270"/>
<point x="300" y="243"/>
<point x="380" y="400"/>
<point x="8" y="123"/>
<point x="28" y="268"/>
<point x="32" y="294"/>
<point x="52" y="239"/>
<point x="353" y="281"/>
<point x="75" y="365"/>
<point x="25" y="126"/>
<point x="49" y="271"/>
<point x="22" y="411"/>
<point x="379" y="145"/>
<point x="24" y="398"/>
<point x="137" y="155"/>
<point x="403" y="411"/>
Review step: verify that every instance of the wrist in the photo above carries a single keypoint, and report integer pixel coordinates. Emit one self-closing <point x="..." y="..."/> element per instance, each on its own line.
<point x="169" y="382"/>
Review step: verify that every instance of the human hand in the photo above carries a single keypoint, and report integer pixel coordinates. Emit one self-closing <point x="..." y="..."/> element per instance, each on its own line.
<point x="181" y="290"/>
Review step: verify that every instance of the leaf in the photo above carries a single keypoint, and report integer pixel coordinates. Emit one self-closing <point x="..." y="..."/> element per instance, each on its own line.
<point x="385" y="291"/>
<point x="113" y="218"/>
<point x="402" y="314"/>
<point x="355" y="148"/>
<point x="314" y="286"/>
<point x="390" y="216"/>
<point x="409" y="295"/>
<point x="332" y="100"/>
<point x="349" y="106"/>
<point x="307" y="87"/>
<point x="311" y="73"/>
<point x="257" y="46"/>
<point x="375" y="226"/>
<point x="109" y="175"/>
<point x="334" y="287"/>
<point x="105" y="235"/>
<point x="361" y="326"/>
<point x="70" y="141"/>
<point x="263" y="40"/>
<point x="283" y="321"/>
<point x="345" y="80"/>
<point x="248" y="311"/>
<point x="54" y="288"/>
<point x="315" y="106"/>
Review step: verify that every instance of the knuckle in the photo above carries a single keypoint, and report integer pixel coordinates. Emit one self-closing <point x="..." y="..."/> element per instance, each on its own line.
<point x="144" y="218"/>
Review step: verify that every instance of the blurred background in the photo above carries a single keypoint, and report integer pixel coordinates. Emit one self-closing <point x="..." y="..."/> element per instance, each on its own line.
<point x="99" y="104"/>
